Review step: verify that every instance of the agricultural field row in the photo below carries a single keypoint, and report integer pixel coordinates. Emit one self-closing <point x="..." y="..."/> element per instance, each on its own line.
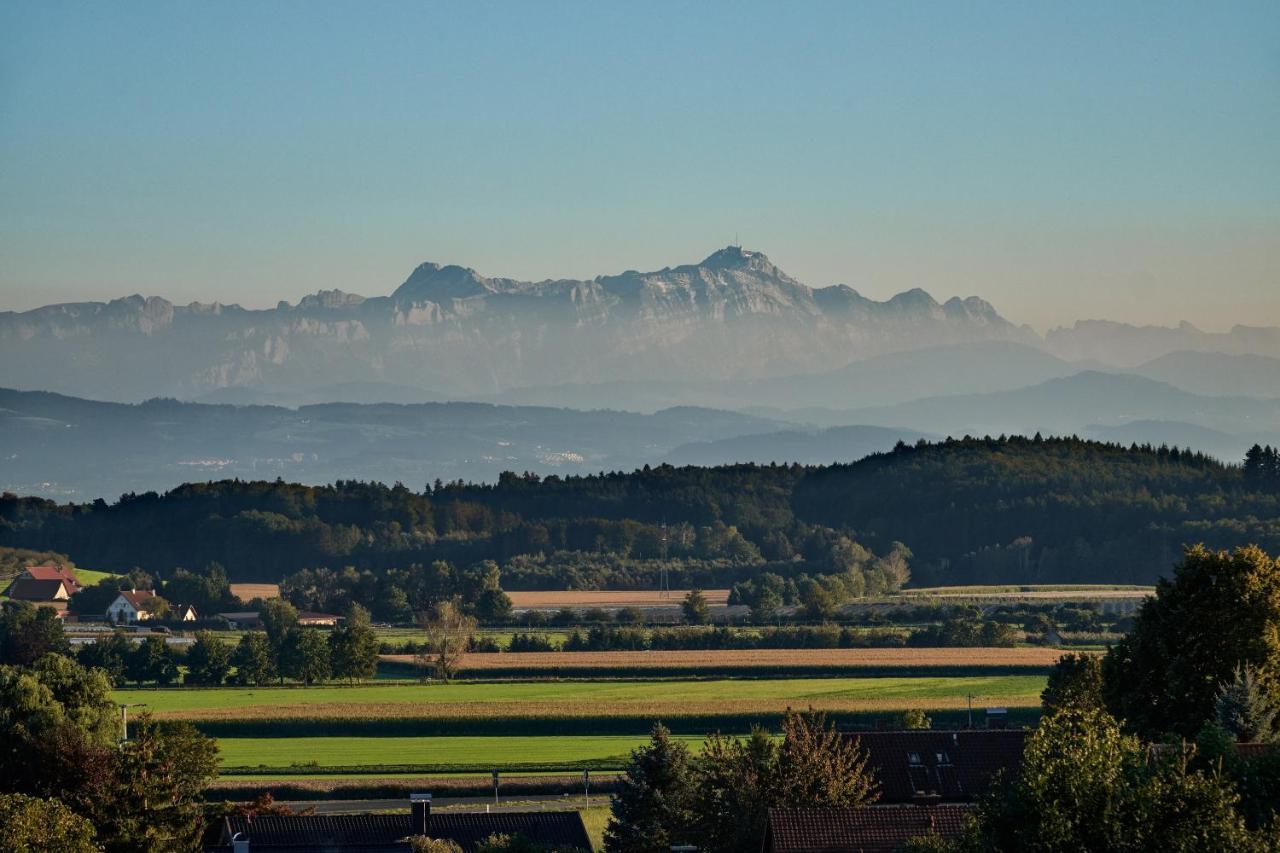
<point x="1034" y="656"/>
<point x="579" y="698"/>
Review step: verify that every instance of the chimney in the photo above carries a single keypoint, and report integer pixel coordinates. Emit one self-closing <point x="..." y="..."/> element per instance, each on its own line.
<point x="420" y="813"/>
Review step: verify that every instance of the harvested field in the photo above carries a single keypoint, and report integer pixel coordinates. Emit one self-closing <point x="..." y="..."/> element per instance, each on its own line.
<point x="478" y="663"/>
<point x="247" y="592"/>
<point x="555" y="599"/>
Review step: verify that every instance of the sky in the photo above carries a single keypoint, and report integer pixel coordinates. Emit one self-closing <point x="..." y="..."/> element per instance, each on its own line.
<point x="1063" y="161"/>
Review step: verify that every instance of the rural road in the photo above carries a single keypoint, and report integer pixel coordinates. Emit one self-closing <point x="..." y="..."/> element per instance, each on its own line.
<point x="526" y="803"/>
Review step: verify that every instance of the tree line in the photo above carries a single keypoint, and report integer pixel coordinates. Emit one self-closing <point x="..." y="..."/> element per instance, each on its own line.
<point x="970" y="510"/>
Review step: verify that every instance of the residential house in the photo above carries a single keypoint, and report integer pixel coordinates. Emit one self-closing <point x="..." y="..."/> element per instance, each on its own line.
<point x="956" y="766"/>
<point x="52" y="585"/>
<point x="872" y="829"/>
<point x="131" y="606"/>
<point x="183" y="613"/>
<point x="388" y="833"/>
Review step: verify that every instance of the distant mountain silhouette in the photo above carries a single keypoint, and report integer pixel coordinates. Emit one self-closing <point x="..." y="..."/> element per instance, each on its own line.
<point x="460" y="334"/>
<point x="1074" y="404"/>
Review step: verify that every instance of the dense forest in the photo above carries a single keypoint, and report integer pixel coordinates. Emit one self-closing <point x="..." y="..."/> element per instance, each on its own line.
<point x="970" y="510"/>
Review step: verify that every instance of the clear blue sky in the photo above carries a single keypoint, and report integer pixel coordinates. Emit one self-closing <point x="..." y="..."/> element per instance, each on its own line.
<point x="1063" y="160"/>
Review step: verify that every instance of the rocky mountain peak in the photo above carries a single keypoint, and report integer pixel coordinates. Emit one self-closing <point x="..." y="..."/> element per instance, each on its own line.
<point x="431" y="282"/>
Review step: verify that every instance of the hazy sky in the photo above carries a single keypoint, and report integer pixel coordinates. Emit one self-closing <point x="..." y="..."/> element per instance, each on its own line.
<point x="1062" y="160"/>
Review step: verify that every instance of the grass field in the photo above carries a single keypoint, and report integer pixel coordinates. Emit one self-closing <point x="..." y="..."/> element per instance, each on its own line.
<point x="569" y="699"/>
<point x="567" y="752"/>
<point x="596" y="819"/>
<point x="88" y="577"/>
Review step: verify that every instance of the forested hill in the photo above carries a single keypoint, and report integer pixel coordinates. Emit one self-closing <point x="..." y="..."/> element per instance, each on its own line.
<point x="1025" y="510"/>
<point x="987" y="510"/>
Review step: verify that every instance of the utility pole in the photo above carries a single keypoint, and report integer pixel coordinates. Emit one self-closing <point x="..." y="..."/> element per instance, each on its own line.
<point x="124" y="720"/>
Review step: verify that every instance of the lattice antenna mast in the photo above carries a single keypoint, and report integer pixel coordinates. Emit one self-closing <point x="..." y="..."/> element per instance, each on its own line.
<point x="664" y="582"/>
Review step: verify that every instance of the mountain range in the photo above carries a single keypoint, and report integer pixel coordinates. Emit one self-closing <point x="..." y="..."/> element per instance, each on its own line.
<point x="451" y="332"/>
<point x="457" y="375"/>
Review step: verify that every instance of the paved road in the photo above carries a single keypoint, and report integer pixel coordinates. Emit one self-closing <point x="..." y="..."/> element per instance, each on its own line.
<point x="524" y="803"/>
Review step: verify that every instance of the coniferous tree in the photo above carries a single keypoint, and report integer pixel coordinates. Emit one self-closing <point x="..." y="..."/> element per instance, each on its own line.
<point x="652" y="809"/>
<point x="160" y="780"/>
<point x="1246" y="710"/>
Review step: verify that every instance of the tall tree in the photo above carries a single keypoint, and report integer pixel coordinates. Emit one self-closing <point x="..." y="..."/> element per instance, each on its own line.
<point x="208" y="660"/>
<point x="109" y="654"/>
<point x="733" y="789"/>
<point x="34" y="825"/>
<point x="818" y="766"/>
<point x="449" y="632"/>
<point x="695" y="608"/>
<point x="28" y="633"/>
<point x="152" y="660"/>
<point x="1086" y="786"/>
<point x="160" y="779"/>
<point x="305" y="656"/>
<point x="652" y="809"/>
<point x="254" y="660"/>
<point x="1074" y="682"/>
<point x="354" y="646"/>
<point x="1220" y="610"/>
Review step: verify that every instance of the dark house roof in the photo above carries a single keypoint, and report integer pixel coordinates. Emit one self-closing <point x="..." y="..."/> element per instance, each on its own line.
<point x="370" y="833"/>
<point x="957" y="765"/>
<point x="874" y="829"/>
<point x="37" y="589"/>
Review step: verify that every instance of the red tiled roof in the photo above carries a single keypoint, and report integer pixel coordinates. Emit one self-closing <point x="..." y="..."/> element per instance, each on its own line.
<point x="140" y="599"/>
<point x="49" y="573"/>
<point x="36" y="589"/>
<point x="874" y="829"/>
<point x="955" y="765"/>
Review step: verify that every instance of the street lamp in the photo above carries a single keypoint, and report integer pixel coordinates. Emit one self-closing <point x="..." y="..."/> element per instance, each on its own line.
<point x="124" y="719"/>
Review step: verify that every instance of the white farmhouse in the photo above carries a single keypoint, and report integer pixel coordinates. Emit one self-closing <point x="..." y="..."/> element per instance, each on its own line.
<point x="131" y="606"/>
